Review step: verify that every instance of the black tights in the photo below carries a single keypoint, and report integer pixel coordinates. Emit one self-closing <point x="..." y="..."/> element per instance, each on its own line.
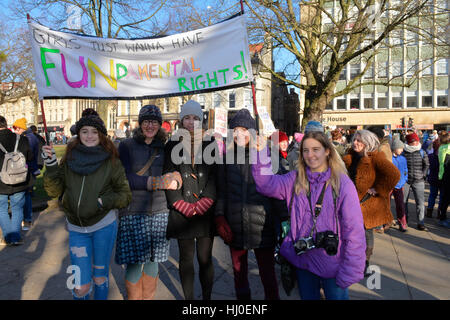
<point x="186" y="268"/>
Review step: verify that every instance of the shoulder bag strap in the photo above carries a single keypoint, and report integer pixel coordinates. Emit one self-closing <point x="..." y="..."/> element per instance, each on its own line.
<point x="149" y="163"/>
<point x="17" y="142"/>
<point x="3" y="148"/>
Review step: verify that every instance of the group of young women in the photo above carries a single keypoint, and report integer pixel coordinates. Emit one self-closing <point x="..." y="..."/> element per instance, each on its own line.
<point x="141" y="195"/>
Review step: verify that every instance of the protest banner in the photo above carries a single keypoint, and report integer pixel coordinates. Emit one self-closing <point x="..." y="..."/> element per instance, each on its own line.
<point x="75" y="66"/>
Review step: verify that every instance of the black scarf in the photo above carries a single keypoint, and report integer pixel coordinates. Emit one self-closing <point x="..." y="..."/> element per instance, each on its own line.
<point x="86" y="160"/>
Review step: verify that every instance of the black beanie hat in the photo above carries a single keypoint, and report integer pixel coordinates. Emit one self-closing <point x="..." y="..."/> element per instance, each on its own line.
<point x="150" y="112"/>
<point x="92" y="121"/>
<point x="243" y="119"/>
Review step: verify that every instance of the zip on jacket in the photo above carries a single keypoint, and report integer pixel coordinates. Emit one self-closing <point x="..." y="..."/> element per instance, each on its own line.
<point x="79" y="201"/>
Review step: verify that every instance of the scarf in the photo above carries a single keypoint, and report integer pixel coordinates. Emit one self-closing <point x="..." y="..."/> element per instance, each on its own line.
<point x="411" y="149"/>
<point x="199" y="139"/>
<point x="86" y="160"/>
<point x="283" y="154"/>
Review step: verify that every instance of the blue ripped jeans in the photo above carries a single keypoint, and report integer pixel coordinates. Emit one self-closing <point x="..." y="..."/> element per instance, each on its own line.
<point x="91" y="253"/>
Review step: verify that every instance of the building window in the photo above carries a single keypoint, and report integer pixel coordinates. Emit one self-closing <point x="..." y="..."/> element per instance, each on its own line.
<point x="248" y="99"/>
<point x="411" y="38"/>
<point x="427" y="101"/>
<point x="355" y="69"/>
<point x="397" y="102"/>
<point x="343" y="74"/>
<point x="201" y="101"/>
<point x="369" y="73"/>
<point x="442" y="101"/>
<point x="382" y="70"/>
<point x="411" y="68"/>
<point x="166" y="105"/>
<point x="397" y="68"/>
<point x="354" y="103"/>
<point x="128" y="107"/>
<point x="341" y="104"/>
<point x="442" y="67"/>
<point x="217" y="100"/>
<point x="232" y="100"/>
<point x="411" y="102"/>
<point x="427" y="67"/>
<point x="329" y="106"/>
<point x="382" y="103"/>
<point x="397" y="38"/>
<point x="368" y="103"/>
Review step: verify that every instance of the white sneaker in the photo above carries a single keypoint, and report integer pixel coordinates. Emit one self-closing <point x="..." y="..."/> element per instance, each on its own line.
<point x="26" y="225"/>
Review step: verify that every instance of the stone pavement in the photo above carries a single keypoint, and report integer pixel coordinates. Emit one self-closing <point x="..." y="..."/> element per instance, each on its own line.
<point x="412" y="265"/>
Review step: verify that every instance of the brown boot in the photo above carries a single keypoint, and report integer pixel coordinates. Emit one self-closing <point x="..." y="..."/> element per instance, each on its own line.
<point x="429" y="213"/>
<point x="149" y="286"/>
<point x="134" y="290"/>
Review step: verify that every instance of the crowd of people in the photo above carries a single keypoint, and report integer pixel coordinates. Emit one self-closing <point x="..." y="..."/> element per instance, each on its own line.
<point x="327" y="194"/>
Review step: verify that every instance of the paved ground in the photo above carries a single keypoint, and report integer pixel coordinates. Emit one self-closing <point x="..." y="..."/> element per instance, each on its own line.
<point x="413" y="265"/>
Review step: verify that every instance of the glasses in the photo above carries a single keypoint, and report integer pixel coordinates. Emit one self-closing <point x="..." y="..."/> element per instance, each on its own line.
<point x="150" y="122"/>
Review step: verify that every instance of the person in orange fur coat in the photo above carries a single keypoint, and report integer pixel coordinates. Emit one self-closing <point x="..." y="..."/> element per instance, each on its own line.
<point x="374" y="177"/>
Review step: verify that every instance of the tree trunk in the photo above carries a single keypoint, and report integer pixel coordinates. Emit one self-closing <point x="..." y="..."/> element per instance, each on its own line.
<point x="315" y="104"/>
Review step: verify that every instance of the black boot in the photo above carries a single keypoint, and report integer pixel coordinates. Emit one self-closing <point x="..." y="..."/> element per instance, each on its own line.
<point x="366" y="271"/>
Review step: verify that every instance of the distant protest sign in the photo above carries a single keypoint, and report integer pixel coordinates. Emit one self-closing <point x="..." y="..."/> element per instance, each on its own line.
<point x="221" y="121"/>
<point x="268" y="127"/>
<point x="208" y="59"/>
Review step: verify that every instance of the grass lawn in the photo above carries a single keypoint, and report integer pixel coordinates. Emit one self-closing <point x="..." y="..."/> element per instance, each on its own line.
<point x="39" y="192"/>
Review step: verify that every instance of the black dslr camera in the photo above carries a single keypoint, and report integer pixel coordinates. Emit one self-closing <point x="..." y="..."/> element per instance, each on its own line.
<point x="327" y="240"/>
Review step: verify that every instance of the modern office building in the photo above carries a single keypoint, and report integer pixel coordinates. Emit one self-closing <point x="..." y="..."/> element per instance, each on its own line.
<point x="401" y="56"/>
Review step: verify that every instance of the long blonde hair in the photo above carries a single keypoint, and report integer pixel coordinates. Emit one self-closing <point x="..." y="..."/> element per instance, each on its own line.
<point x="334" y="162"/>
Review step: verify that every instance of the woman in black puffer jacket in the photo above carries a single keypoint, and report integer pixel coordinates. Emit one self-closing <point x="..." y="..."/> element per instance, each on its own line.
<point x="244" y="217"/>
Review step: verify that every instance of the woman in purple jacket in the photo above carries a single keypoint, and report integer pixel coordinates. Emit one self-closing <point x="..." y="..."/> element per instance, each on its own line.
<point x="327" y="247"/>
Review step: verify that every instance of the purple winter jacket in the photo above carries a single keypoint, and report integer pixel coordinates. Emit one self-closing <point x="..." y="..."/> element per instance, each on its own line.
<point x="347" y="266"/>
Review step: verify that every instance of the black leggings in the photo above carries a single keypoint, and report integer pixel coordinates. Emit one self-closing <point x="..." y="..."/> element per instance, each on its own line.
<point x="186" y="268"/>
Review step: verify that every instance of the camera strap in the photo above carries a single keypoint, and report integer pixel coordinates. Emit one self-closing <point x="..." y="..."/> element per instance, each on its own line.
<point x="318" y="206"/>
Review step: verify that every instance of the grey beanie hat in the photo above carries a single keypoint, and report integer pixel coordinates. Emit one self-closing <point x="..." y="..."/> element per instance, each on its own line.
<point x="397" y="144"/>
<point x="191" y="107"/>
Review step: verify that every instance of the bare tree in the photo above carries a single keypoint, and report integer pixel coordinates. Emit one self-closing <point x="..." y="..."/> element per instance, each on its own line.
<point x="100" y="18"/>
<point x="320" y="43"/>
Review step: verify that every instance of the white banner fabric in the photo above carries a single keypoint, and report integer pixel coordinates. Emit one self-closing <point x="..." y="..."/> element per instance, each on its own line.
<point x="208" y="59"/>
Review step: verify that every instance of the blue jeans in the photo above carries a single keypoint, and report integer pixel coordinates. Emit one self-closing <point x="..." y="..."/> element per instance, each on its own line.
<point x="11" y="226"/>
<point x="92" y="251"/>
<point x="434" y="191"/>
<point x="309" y="287"/>
<point x="28" y="207"/>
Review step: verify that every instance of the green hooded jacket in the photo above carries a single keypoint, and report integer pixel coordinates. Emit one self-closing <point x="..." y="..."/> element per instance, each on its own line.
<point x="81" y="193"/>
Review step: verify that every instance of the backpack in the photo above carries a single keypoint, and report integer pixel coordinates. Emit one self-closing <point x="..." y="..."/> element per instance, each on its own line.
<point x="14" y="169"/>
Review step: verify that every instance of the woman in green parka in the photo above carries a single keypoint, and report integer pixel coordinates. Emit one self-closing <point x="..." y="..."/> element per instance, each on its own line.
<point x="94" y="185"/>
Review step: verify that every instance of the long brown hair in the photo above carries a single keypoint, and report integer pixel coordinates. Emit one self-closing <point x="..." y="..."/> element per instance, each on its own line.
<point x="334" y="161"/>
<point x="106" y="143"/>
